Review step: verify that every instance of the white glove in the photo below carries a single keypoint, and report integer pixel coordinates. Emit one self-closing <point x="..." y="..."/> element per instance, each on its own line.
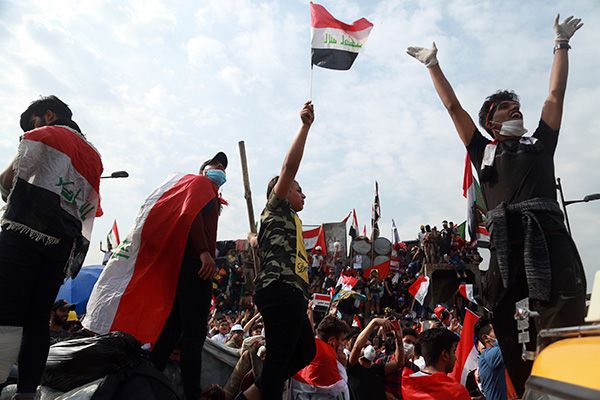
<point x="426" y="56"/>
<point x="565" y="31"/>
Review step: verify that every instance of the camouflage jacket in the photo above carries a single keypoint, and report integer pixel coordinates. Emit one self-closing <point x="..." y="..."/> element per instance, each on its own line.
<point x="281" y="248"/>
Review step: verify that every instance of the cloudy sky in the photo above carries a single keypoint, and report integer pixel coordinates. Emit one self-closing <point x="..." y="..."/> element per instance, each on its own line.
<point x="160" y="86"/>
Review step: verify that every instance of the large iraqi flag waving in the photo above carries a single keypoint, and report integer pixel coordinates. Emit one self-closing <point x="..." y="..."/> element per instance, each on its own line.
<point x="335" y="44"/>
<point x="136" y="290"/>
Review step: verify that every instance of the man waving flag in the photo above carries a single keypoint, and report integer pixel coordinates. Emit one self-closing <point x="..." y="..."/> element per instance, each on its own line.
<point x="335" y="45"/>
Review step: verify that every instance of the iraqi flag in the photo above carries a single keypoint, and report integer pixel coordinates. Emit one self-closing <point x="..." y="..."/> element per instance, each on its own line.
<point x="383" y="268"/>
<point x="335" y="45"/>
<point x="323" y="379"/>
<point x="466" y="351"/>
<point x="55" y="192"/>
<point x="354" y="226"/>
<point x="419" y="288"/>
<point x="113" y="239"/>
<point x="466" y="291"/>
<point x="136" y="289"/>
<point x="311" y="236"/>
<point x="346" y="282"/>
<point x="476" y="207"/>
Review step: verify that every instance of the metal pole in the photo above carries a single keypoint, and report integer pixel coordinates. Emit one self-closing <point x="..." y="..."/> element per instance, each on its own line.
<point x="564" y="206"/>
<point x="248" y="197"/>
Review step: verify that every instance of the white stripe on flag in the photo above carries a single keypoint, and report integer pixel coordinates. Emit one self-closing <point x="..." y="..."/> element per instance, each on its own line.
<point x="332" y="38"/>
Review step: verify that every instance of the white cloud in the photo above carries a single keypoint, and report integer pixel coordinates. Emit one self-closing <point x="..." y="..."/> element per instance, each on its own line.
<point x="161" y="86"/>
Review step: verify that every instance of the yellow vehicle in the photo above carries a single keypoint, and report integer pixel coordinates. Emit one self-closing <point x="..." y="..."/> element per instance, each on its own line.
<point x="569" y="367"/>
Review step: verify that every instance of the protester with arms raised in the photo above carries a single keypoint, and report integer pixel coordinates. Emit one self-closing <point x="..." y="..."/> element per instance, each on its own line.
<point x="532" y="255"/>
<point x="282" y="287"/>
<point x="365" y="379"/>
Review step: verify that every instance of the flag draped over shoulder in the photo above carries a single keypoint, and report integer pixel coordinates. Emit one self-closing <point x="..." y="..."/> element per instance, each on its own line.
<point x="419" y="288"/>
<point x="335" y="45"/>
<point x="476" y="207"/>
<point x="438" y="386"/>
<point x="466" y="351"/>
<point x="56" y="190"/>
<point x="323" y="379"/>
<point x="136" y="290"/>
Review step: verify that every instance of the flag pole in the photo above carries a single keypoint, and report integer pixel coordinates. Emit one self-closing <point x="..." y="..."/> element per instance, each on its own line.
<point x="310" y="86"/>
<point x="248" y="197"/>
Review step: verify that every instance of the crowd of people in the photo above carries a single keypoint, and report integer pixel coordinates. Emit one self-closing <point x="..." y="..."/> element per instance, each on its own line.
<point x="165" y="287"/>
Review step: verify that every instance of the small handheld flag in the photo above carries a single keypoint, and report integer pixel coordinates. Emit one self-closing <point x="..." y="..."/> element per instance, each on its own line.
<point x="466" y="291"/>
<point x="420" y="288"/>
<point x="335" y="44"/>
<point x="354" y="226"/>
<point x="112" y="239"/>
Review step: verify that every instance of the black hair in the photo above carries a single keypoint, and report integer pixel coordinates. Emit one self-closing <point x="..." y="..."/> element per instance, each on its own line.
<point x="433" y="342"/>
<point x="39" y="107"/>
<point x="331" y="326"/>
<point x="487" y="110"/>
<point x="271" y="185"/>
<point x="482" y="327"/>
<point x="410" y="331"/>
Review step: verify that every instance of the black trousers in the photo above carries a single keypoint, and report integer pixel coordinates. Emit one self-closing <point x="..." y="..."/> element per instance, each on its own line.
<point x="565" y="308"/>
<point x="290" y="340"/>
<point x="187" y="324"/>
<point x="30" y="275"/>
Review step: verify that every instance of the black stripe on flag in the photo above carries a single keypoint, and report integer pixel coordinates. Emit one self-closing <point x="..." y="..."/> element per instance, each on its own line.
<point x="333" y="58"/>
<point x="39" y="209"/>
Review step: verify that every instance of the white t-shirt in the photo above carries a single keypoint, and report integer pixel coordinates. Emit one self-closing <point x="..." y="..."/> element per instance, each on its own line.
<point x="219" y="338"/>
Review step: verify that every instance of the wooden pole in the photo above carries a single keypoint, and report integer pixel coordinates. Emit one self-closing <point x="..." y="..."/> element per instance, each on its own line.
<point x="248" y="197"/>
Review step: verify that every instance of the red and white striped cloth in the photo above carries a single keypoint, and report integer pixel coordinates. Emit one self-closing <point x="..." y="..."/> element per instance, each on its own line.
<point x="136" y="290"/>
<point x="55" y="191"/>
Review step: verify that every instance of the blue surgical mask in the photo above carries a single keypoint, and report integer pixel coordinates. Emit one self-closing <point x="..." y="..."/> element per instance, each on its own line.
<point x="217" y="176"/>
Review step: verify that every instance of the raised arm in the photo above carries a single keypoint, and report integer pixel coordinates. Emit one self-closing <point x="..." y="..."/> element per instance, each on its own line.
<point x="294" y="154"/>
<point x="553" y="106"/>
<point x="462" y="121"/>
<point x="364" y="336"/>
<point x="398" y="361"/>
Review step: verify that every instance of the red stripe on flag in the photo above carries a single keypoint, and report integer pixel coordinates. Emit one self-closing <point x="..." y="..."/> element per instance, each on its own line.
<point x="321" y="18"/>
<point x="465" y="347"/>
<point x="83" y="157"/>
<point x="383" y="268"/>
<point x="467" y="176"/>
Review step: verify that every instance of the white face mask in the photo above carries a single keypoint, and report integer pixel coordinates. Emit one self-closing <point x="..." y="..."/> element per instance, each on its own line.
<point x="513" y="128"/>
